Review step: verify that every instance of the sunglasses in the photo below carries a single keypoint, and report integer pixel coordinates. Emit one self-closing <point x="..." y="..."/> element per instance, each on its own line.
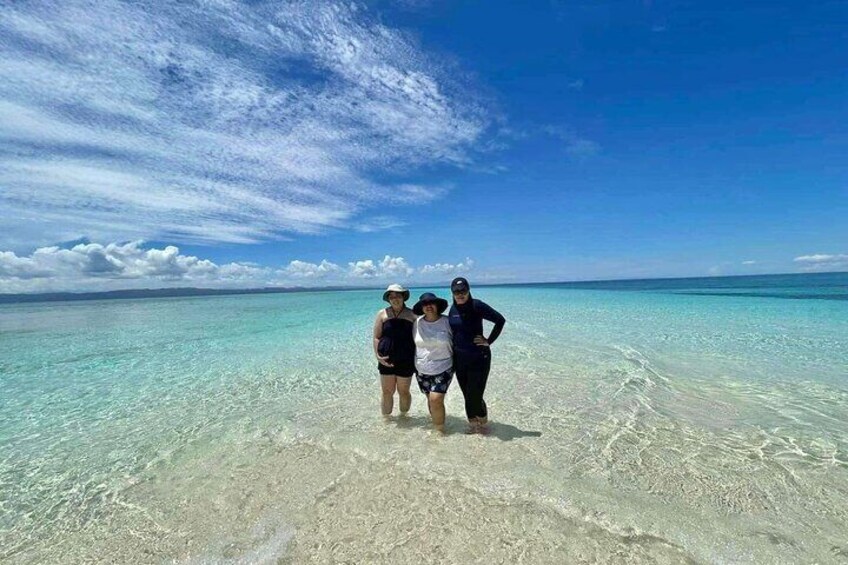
<point x="460" y="292"/>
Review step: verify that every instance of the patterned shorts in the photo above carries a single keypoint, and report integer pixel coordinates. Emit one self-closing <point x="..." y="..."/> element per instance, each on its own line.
<point x="435" y="383"/>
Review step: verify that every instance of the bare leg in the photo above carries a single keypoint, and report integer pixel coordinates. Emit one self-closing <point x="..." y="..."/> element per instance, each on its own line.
<point x="403" y="384"/>
<point x="436" y="403"/>
<point x="388" y="383"/>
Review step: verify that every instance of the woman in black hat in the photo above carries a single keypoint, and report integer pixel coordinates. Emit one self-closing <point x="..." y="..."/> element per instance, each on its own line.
<point x="472" y="356"/>
<point x="395" y="349"/>
<point x="433" y="354"/>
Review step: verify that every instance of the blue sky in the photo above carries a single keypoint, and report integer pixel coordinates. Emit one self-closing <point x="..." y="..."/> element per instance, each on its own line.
<point x="311" y="143"/>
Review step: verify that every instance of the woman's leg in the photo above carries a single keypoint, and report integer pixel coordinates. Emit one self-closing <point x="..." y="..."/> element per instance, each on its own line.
<point x="462" y="379"/>
<point x="478" y="376"/>
<point x="473" y="396"/>
<point x="436" y="403"/>
<point x="483" y="420"/>
<point x="388" y="383"/>
<point x="403" y="384"/>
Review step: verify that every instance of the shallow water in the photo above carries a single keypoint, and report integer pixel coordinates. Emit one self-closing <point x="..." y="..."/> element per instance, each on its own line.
<point x="637" y="425"/>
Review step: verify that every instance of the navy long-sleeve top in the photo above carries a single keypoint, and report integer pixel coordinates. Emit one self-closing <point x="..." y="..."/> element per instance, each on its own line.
<point x="466" y="323"/>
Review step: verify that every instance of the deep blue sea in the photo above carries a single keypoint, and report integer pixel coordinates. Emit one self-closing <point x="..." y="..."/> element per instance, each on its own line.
<point x="680" y="420"/>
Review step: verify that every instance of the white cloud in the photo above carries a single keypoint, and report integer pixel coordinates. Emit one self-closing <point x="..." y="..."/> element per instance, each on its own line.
<point x="448" y="268"/>
<point x="92" y="266"/>
<point x="96" y="267"/>
<point x="416" y="193"/>
<point x="302" y="269"/>
<point x="378" y="223"/>
<point x="395" y="266"/>
<point x="238" y="272"/>
<point x="365" y="269"/>
<point x="823" y="262"/>
<point x="12" y="266"/>
<point x="131" y="120"/>
<point x="749" y="262"/>
<point x="388" y="267"/>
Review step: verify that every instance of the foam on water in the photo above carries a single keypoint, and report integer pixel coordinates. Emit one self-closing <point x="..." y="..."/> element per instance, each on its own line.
<point x="628" y="427"/>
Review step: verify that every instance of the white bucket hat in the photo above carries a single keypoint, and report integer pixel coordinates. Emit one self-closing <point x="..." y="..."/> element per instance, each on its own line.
<point x="396" y="288"/>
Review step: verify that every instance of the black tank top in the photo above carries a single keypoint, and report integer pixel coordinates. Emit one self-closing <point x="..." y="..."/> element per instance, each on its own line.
<point x="397" y="341"/>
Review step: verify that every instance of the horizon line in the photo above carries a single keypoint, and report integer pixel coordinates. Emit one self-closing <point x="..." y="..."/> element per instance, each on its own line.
<point x="186" y="291"/>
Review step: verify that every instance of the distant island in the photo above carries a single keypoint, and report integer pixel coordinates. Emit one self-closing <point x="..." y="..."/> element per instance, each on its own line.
<point x="160" y="293"/>
<point x="832" y="283"/>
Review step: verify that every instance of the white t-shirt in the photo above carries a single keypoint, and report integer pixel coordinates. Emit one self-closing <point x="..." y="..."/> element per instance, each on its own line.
<point x="433" y="346"/>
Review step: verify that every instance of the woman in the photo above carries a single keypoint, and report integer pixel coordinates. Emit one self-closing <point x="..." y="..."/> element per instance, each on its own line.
<point x="395" y="349"/>
<point x="472" y="357"/>
<point x="433" y="354"/>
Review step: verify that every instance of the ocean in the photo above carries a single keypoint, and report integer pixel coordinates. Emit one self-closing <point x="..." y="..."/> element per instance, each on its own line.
<point x="664" y="421"/>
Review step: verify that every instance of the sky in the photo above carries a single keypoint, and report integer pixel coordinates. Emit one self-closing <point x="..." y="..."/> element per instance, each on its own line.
<point x="315" y="143"/>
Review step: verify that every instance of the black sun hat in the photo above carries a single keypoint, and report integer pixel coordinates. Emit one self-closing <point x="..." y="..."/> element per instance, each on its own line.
<point x="429" y="298"/>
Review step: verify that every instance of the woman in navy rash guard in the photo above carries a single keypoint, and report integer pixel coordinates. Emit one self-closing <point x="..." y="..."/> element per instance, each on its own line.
<point x="472" y="356"/>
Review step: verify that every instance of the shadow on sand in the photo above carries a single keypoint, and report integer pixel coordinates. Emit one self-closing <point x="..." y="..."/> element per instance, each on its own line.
<point x="455" y="425"/>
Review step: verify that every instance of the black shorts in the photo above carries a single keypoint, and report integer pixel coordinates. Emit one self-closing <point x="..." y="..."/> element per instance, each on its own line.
<point x="435" y="383"/>
<point x="405" y="370"/>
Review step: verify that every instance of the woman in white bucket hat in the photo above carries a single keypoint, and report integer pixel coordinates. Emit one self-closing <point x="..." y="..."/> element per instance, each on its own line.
<point x="394" y="348"/>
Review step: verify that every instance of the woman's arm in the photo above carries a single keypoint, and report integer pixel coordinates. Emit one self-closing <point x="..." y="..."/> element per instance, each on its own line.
<point x="492" y="315"/>
<point x="378" y="333"/>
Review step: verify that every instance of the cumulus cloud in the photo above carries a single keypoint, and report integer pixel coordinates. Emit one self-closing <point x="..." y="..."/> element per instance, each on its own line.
<point x="96" y="267"/>
<point x="92" y="266"/>
<point x="12" y="266"/>
<point x="823" y="262"/>
<point x="365" y="269"/>
<point x="302" y="269"/>
<point x="448" y="268"/>
<point x="224" y="121"/>
<point x="388" y="267"/>
<point x="395" y="266"/>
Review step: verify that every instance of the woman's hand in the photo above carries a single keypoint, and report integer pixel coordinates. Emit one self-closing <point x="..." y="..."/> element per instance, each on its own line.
<point x="384" y="361"/>
<point x="481" y="341"/>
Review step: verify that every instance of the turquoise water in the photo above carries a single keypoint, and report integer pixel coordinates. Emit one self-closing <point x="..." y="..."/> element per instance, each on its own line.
<point x="661" y="422"/>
